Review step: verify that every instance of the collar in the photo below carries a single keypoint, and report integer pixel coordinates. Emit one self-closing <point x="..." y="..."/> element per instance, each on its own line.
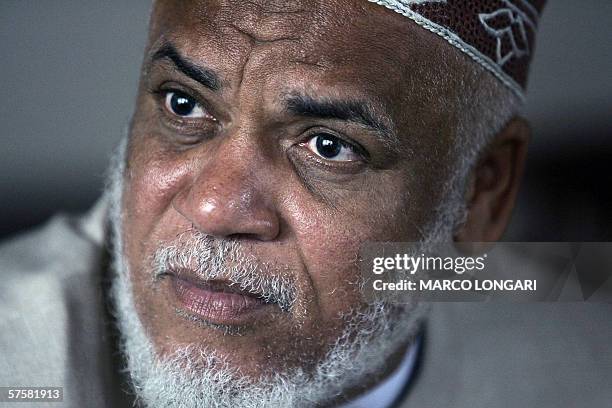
<point x="384" y="394"/>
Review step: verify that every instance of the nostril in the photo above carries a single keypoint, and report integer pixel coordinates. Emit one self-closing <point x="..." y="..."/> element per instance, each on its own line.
<point x="244" y="236"/>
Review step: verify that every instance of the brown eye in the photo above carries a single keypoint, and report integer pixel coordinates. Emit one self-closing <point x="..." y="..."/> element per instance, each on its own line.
<point x="332" y="148"/>
<point x="183" y="105"/>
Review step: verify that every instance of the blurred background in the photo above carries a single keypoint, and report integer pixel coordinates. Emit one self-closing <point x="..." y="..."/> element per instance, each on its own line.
<point x="68" y="76"/>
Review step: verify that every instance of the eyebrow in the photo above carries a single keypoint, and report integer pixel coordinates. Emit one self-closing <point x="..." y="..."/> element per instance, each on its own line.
<point x="203" y="75"/>
<point x="354" y="111"/>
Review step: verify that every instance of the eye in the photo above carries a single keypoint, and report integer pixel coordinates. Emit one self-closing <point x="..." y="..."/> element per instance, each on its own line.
<point x="332" y="148"/>
<point x="183" y="105"/>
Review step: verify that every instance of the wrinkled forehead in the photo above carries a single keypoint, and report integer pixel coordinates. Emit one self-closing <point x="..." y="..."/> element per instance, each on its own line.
<point x="349" y="44"/>
<point x="305" y="25"/>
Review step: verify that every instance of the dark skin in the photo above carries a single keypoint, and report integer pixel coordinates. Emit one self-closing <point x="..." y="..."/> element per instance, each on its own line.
<point x="244" y="163"/>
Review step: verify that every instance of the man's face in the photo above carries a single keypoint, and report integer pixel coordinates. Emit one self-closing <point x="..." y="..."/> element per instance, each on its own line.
<point x="296" y="131"/>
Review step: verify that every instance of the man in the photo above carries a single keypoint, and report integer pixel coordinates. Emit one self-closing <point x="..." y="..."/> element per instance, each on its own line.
<point x="270" y="141"/>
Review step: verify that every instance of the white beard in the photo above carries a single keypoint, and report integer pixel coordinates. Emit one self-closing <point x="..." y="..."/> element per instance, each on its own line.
<point x="195" y="376"/>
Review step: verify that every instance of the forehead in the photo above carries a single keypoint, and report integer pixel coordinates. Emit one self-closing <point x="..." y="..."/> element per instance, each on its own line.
<point x="339" y="45"/>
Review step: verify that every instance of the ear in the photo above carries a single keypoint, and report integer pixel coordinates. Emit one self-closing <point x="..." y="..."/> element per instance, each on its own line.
<point x="494" y="183"/>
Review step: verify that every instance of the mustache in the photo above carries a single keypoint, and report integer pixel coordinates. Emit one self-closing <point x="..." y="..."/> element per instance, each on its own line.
<point x="215" y="259"/>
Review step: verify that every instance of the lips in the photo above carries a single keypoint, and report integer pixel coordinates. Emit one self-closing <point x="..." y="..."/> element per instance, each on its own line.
<point x="218" y="301"/>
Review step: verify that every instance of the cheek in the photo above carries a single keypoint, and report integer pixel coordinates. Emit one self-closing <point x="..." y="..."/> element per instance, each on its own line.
<point x="154" y="179"/>
<point x="329" y="242"/>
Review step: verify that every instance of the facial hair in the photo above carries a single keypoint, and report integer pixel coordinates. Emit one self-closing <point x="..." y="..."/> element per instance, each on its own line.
<point x="211" y="258"/>
<point x="196" y="376"/>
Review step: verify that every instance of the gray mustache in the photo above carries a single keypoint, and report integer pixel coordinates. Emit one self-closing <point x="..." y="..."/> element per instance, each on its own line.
<point x="224" y="259"/>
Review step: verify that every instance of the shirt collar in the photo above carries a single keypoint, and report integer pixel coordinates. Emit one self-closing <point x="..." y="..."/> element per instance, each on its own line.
<point x="384" y="394"/>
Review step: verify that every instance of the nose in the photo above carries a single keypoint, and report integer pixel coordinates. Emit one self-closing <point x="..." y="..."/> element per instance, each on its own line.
<point x="228" y="199"/>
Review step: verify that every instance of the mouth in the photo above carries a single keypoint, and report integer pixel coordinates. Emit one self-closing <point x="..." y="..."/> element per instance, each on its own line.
<point x="219" y="302"/>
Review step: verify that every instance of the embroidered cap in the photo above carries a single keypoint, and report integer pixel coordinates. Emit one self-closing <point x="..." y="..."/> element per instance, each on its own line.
<point x="497" y="34"/>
